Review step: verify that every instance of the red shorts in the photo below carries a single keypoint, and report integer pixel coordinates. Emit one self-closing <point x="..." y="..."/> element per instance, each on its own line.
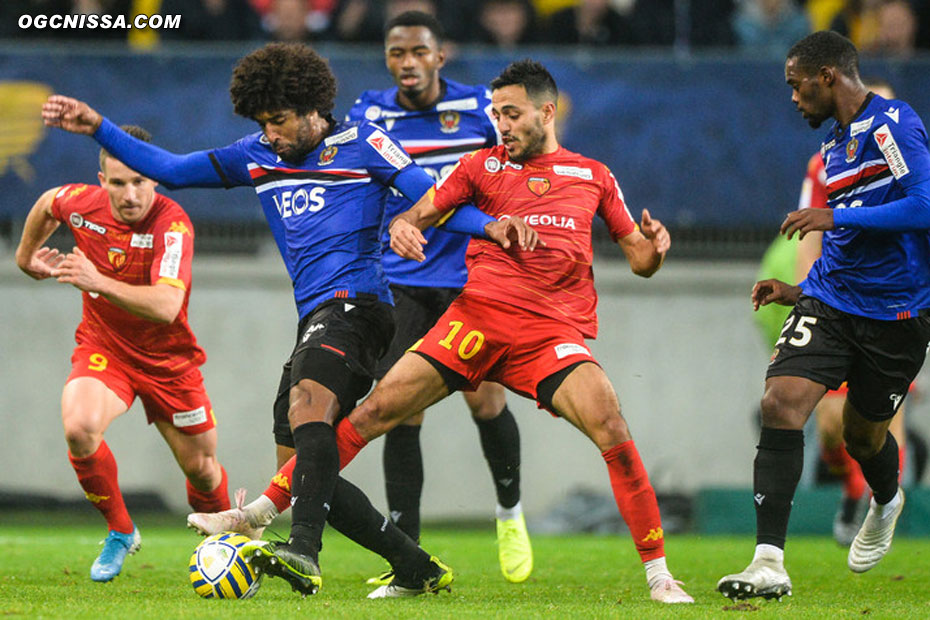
<point x="180" y="401"/>
<point x="483" y="339"/>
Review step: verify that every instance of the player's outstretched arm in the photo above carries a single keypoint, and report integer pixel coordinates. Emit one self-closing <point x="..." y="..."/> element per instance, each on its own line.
<point x="773" y="291"/>
<point x="157" y="302"/>
<point x="71" y="115"/>
<point x="513" y="230"/>
<point x="645" y="249"/>
<point x="407" y="240"/>
<point x="804" y="221"/>
<point x="34" y="260"/>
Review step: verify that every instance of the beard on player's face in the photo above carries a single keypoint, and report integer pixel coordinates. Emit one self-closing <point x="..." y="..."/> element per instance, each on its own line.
<point x="530" y="143"/>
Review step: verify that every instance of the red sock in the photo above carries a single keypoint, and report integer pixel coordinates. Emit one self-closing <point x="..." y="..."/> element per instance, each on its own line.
<point x="636" y="499"/>
<point x="846" y="466"/>
<point x="98" y="477"/>
<point x="902" y="453"/>
<point x="209" y="501"/>
<point x="279" y="489"/>
<point x="349" y="441"/>
<point x="350" y="444"/>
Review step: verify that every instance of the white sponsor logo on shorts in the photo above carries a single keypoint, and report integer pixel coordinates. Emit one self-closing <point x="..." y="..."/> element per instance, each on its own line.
<point x="570" y="348"/>
<point x="189" y="418"/>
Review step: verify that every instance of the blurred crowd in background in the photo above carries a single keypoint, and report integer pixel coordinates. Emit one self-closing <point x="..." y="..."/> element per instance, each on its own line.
<point x="886" y="27"/>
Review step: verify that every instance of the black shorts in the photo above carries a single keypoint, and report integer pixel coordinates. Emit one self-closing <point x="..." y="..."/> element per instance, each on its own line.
<point x="877" y="359"/>
<point x="416" y="310"/>
<point x="338" y="346"/>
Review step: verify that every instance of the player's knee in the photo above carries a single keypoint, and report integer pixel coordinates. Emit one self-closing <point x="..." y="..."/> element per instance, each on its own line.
<point x="779" y="410"/>
<point x="201" y="469"/>
<point x="608" y="429"/>
<point x="487" y="409"/>
<point x="861" y="446"/>
<point x="82" y="439"/>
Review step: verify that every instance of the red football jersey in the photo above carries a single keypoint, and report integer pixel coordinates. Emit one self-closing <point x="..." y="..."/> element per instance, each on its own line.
<point x="157" y="249"/>
<point x="814" y="187"/>
<point x="558" y="195"/>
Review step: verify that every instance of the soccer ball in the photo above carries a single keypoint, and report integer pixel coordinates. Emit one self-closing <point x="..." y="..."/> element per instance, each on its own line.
<point x="218" y="571"/>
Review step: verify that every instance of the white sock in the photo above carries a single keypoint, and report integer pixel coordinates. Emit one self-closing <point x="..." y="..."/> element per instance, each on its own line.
<point x="769" y="552"/>
<point x="656" y="571"/>
<point x="261" y="511"/>
<point x="506" y="514"/>
<point x="890" y="507"/>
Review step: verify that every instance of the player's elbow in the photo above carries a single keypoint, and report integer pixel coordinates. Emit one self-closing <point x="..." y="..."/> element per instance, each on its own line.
<point x="169" y="308"/>
<point x="644" y="271"/>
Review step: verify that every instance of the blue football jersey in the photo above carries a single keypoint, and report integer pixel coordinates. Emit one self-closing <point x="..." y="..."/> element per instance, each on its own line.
<point x="435" y="137"/>
<point x="326" y="212"/>
<point x="877" y="159"/>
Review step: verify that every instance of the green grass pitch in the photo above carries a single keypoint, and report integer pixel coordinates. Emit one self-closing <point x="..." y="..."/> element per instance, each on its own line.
<point x="45" y="559"/>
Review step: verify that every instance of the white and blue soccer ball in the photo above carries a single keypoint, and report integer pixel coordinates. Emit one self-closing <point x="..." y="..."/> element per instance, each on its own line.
<point x="218" y="570"/>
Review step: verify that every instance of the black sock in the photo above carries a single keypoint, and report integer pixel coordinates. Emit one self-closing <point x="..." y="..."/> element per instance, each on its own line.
<point x="353" y="515"/>
<point x="403" y="477"/>
<point x="500" y="442"/>
<point x="881" y="471"/>
<point x="312" y="486"/>
<point x="776" y="472"/>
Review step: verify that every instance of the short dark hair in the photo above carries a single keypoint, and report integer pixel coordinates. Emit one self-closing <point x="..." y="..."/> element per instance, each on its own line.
<point x="417" y="18"/>
<point x="133" y="130"/>
<point x="532" y="76"/>
<point x="826" y="49"/>
<point x="282" y="76"/>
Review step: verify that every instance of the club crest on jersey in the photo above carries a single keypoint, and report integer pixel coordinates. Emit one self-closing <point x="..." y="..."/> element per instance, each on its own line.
<point x="851" y="149"/>
<point x="328" y="155"/>
<point x="538" y="185"/>
<point x="117" y="257"/>
<point x="449" y="121"/>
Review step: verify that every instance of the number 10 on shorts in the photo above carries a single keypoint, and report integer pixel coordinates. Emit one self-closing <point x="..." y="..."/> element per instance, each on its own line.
<point x="468" y="346"/>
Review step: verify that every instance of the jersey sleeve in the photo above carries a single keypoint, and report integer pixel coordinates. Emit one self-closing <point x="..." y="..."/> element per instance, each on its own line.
<point x="62" y="203"/>
<point x="231" y="164"/>
<point x="456" y="188"/>
<point x="382" y="156"/>
<point x="814" y="186"/>
<point x="357" y="111"/>
<point x="903" y="144"/>
<point x="613" y="207"/>
<point x="173" y="245"/>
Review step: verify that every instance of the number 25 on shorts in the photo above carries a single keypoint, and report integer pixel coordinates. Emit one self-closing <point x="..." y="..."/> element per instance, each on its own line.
<point x="801" y="335"/>
<point x="97" y="362"/>
<point x="468" y="346"/>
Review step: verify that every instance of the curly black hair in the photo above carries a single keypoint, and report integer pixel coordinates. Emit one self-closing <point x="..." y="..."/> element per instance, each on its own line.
<point x="531" y="75"/>
<point x="826" y="49"/>
<point x="282" y="76"/>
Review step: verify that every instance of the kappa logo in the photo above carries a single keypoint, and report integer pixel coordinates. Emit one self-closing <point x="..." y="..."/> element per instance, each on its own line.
<point x="655" y="533"/>
<point x="77" y="190"/>
<point x="280" y="480"/>
<point x="759" y="498"/>
<point x="895" y="400"/>
<point x="180" y="227"/>
<point x="538" y="185"/>
<point x="95" y="499"/>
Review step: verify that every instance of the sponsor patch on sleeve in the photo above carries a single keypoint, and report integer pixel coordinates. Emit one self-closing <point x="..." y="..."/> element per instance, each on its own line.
<point x="171" y="260"/>
<point x="189" y="418"/>
<point x="386" y="148"/>
<point x="889" y="148"/>
<point x="570" y="348"/>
